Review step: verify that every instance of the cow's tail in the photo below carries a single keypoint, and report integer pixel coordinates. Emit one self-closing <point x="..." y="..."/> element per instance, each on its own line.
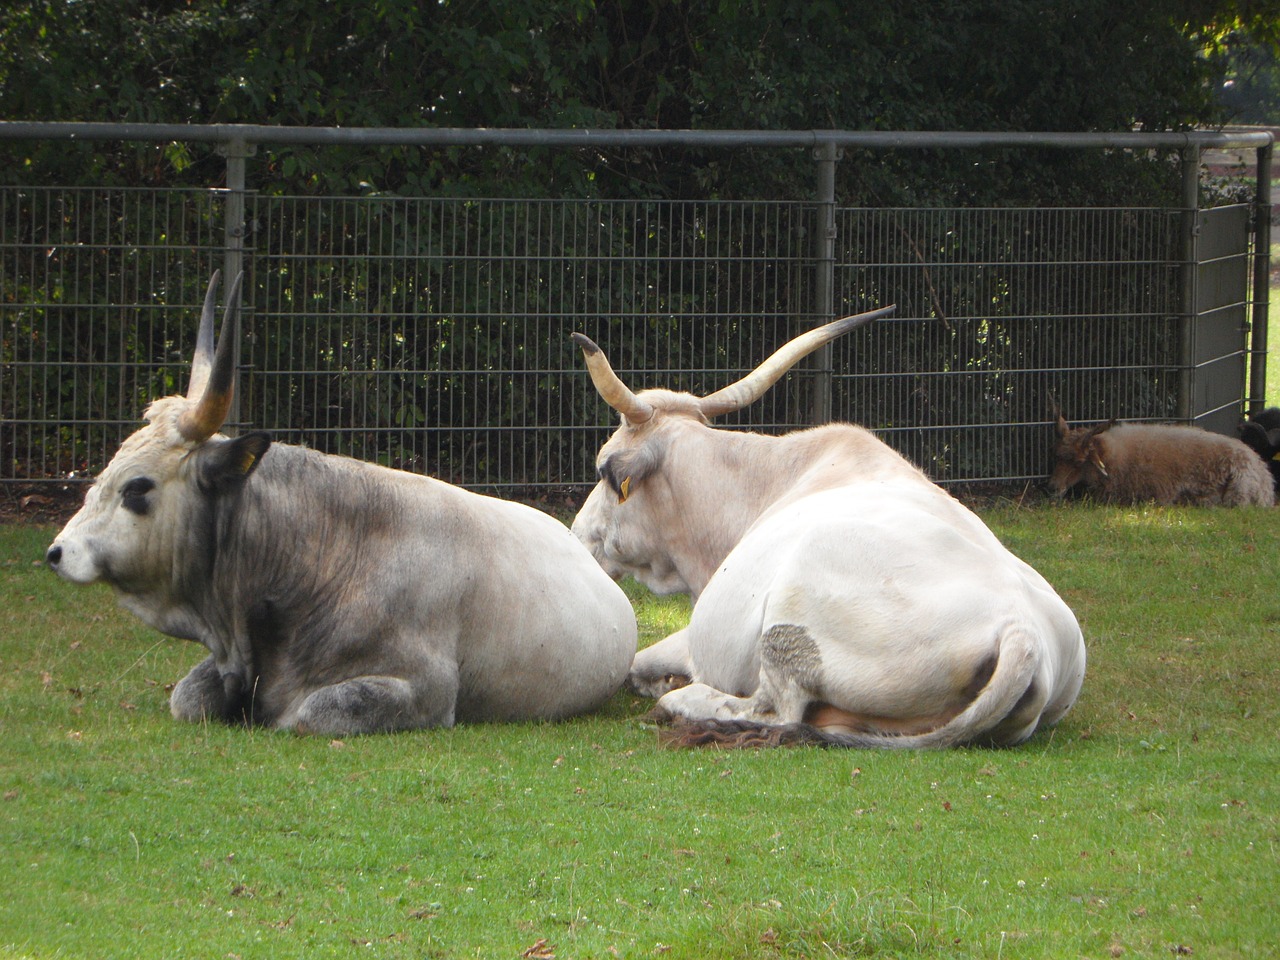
<point x="1005" y="712"/>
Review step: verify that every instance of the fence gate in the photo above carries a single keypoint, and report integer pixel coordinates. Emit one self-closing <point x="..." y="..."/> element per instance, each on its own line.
<point x="1216" y="342"/>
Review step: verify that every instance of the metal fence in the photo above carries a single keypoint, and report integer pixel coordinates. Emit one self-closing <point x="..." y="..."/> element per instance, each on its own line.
<point x="433" y="334"/>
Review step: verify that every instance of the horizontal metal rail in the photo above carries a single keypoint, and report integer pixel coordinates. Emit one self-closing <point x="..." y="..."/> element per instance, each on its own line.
<point x="520" y="137"/>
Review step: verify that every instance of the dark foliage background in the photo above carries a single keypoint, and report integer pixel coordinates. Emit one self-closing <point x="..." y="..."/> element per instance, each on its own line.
<point x="1075" y="65"/>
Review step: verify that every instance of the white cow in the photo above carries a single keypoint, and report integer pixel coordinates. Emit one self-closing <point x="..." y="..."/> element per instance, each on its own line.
<point x="839" y="595"/>
<point x="337" y="596"/>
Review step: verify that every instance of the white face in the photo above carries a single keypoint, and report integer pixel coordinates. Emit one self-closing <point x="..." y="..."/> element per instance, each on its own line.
<point x="119" y="535"/>
<point x="620" y="537"/>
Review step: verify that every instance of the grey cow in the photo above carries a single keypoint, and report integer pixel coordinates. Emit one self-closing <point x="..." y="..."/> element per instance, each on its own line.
<point x="337" y="596"/>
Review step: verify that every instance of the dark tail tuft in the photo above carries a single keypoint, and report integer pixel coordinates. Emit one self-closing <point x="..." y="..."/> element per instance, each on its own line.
<point x="682" y="733"/>
<point x="742" y="734"/>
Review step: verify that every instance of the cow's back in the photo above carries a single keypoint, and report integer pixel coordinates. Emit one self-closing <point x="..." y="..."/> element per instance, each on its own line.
<point x="404" y="569"/>
<point x="890" y="567"/>
<point x="550" y="633"/>
<point x="1181" y="464"/>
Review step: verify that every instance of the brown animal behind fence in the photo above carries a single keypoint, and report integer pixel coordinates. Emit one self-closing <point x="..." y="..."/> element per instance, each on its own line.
<point x="1161" y="463"/>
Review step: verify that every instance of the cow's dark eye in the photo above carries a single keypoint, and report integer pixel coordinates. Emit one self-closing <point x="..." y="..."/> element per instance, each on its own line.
<point x="134" y="495"/>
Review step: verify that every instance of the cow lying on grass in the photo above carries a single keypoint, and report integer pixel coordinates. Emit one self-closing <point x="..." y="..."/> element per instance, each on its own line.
<point x="1161" y="463"/>
<point x="839" y="596"/>
<point x="336" y="596"/>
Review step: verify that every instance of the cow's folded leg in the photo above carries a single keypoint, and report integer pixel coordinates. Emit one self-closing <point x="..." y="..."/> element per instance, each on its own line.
<point x="697" y="701"/>
<point x="781" y="696"/>
<point x="663" y="667"/>
<point x="374" y="704"/>
<point x="200" y="695"/>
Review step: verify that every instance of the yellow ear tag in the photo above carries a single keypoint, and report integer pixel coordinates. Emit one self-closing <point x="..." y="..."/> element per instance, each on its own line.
<point x="247" y="463"/>
<point x="624" y="490"/>
<point x="1276" y="455"/>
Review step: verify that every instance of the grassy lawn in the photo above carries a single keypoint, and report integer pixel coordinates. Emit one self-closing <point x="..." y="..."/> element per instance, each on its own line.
<point x="1146" y="825"/>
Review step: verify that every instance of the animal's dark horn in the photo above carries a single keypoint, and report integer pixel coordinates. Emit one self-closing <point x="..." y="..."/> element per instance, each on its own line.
<point x="1103" y="427"/>
<point x="202" y="362"/>
<point x="204" y="419"/>
<point x="752" y="387"/>
<point x="610" y="387"/>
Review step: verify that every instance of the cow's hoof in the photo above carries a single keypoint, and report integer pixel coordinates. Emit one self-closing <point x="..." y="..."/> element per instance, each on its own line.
<point x="656" y="687"/>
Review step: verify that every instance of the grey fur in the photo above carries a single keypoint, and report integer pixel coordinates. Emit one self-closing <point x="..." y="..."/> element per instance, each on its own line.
<point x="789" y="648"/>
<point x="341" y="597"/>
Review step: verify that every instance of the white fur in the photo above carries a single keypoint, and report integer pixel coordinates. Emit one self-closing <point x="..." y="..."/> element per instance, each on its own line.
<point x="902" y="592"/>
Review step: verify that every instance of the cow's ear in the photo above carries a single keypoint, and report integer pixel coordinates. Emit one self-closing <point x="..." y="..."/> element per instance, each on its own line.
<point x="226" y="463"/>
<point x="625" y="471"/>
<point x="620" y="485"/>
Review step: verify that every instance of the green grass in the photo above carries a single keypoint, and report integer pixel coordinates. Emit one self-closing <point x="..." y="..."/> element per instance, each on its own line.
<point x="1145" y="825"/>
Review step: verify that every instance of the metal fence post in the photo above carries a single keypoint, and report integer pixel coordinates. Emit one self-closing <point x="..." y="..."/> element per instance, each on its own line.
<point x="1190" y="229"/>
<point x="233" y="233"/>
<point x="1261" y="314"/>
<point x="827" y="155"/>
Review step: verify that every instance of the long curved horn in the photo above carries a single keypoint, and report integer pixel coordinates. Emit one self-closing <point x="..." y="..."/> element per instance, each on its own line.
<point x="202" y="362"/>
<point x="610" y="387"/>
<point x="203" y="420"/>
<point x="752" y="387"/>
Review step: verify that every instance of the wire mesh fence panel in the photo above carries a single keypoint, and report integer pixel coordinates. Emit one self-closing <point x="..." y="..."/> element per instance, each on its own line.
<point x="434" y="334"/>
<point x="98" y="291"/>
<point x="1001" y="314"/>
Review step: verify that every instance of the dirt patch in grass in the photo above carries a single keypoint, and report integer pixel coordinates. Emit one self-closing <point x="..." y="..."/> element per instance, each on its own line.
<point x="39" y="502"/>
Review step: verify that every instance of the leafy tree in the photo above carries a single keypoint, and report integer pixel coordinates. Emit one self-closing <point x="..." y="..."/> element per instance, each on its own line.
<point x="629" y="64"/>
<point x="1251" y="92"/>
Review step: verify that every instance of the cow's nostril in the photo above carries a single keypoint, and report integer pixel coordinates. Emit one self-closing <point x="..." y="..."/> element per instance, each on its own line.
<point x="54" y="556"/>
